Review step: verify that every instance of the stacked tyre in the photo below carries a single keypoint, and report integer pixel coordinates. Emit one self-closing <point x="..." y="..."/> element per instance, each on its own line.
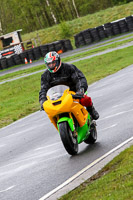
<point x="101" y="32"/>
<point x="116" y="28"/>
<point x="58" y="47"/>
<point x="67" y="44"/>
<point x="3" y="63"/>
<point x="36" y="53"/>
<point x="94" y="34"/>
<point x="0" y="65"/>
<point x="44" y="50"/>
<point x="51" y="47"/>
<point x="108" y="29"/>
<point x="79" y="40"/>
<point x="87" y="36"/>
<point x="17" y="59"/>
<point x="10" y="61"/>
<point x="23" y="55"/>
<point x="129" y="21"/>
<point x="30" y="55"/>
<point x="63" y="45"/>
<point x="123" y="26"/>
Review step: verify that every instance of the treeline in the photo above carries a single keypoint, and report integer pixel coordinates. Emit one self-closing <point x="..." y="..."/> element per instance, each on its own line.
<point x="31" y="15"/>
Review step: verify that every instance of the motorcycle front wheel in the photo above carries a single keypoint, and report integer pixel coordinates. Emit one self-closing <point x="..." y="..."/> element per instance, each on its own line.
<point x="69" y="141"/>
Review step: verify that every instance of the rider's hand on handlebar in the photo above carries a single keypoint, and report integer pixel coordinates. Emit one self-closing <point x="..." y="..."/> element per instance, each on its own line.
<point x="42" y="107"/>
<point x="80" y="92"/>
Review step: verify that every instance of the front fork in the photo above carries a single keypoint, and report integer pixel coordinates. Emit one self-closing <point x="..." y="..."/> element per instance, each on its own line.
<point x="80" y="132"/>
<point x="67" y="119"/>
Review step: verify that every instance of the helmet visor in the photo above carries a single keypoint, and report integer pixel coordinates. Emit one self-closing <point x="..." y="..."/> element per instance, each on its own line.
<point x="51" y="65"/>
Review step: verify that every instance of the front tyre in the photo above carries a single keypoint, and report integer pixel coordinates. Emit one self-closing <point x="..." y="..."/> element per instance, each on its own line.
<point x="69" y="141"/>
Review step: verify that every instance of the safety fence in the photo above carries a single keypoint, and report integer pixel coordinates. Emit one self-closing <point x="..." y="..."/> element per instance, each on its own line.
<point x="35" y="53"/>
<point x="96" y="34"/>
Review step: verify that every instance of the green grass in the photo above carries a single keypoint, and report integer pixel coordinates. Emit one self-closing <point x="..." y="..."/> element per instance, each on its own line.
<point x="113" y="182"/>
<point x="67" y="59"/>
<point x="21" y="72"/>
<point x="20" y="97"/>
<point x="80" y="24"/>
<point x="99" y="67"/>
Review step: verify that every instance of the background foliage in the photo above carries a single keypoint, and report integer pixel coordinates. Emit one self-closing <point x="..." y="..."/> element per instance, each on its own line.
<point x="31" y="15"/>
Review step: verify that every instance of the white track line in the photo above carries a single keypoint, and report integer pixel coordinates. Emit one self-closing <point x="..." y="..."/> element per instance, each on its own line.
<point x="108" y="127"/>
<point x="116" y="114"/>
<point x="84" y="170"/>
<point x="122" y="104"/>
<point x="7" y="189"/>
<point x="2" y="145"/>
<point x="47" y="146"/>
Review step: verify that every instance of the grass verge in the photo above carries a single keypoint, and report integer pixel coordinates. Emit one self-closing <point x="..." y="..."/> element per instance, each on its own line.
<point x="21" y="72"/>
<point x="113" y="182"/>
<point x="20" y="97"/>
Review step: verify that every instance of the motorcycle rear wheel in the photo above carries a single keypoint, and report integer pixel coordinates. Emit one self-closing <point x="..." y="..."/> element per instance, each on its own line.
<point x="93" y="135"/>
<point x="69" y="141"/>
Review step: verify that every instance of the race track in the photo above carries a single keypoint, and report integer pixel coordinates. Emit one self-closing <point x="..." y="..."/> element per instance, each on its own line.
<point x="33" y="160"/>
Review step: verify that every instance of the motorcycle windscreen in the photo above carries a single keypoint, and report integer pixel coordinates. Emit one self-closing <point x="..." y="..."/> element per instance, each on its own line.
<point x="56" y="92"/>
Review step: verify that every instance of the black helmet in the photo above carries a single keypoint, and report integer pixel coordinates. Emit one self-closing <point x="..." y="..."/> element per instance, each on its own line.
<point x="52" y="61"/>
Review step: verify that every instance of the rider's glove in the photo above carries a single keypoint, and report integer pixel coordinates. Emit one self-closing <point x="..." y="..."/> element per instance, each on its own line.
<point x="42" y="107"/>
<point x="41" y="104"/>
<point x="80" y="93"/>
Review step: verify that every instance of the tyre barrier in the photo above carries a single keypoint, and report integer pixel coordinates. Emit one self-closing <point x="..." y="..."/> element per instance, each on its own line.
<point x="17" y="59"/>
<point x="67" y="45"/>
<point x="79" y="39"/>
<point x="10" y="62"/>
<point x="95" y="34"/>
<point x="58" y="46"/>
<point x="123" y="26"/>
<point x="35" y="53"/>
<point x="30" y="55"/>
<point x="87" y="36"/>
<point x="3" y="63"/>
<point x="51" y="47"/>
<point x="129" y="21"/>
<point x="110" y="29"/>
<point x="0" y="65"/>
<point x="43" y="50"/>
<point x="23" y="55"/>
<point x="116" y="28"/>
<point x="101" y="32"/>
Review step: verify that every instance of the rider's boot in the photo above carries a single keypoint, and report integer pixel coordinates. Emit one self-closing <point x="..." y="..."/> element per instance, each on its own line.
<point x="93" y="112"/>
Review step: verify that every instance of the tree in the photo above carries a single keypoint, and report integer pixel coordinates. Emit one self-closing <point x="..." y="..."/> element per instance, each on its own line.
<point x="37" y="14"/>
<point x="52" y="14"/>
<point x="74" y="5"/>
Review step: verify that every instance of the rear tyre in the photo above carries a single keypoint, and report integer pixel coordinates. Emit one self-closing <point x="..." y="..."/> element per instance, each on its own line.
<point x="93" y="134"/>
<point x="69" y="141"/>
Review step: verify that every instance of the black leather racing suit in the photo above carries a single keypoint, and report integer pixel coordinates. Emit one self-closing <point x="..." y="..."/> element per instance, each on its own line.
<point x="68" y="74"/>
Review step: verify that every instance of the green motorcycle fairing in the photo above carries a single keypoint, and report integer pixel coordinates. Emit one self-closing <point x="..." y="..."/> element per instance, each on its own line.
<point x="83" y="132"/>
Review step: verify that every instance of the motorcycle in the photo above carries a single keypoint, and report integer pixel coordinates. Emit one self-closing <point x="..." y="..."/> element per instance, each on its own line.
<point x="70" y="118"/>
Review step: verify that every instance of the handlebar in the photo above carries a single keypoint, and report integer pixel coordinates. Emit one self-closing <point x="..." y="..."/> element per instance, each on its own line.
<point x="77" y="96"/>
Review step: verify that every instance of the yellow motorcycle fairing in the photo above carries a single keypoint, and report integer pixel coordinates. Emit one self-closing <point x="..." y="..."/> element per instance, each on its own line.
<point x="65" y="104"/>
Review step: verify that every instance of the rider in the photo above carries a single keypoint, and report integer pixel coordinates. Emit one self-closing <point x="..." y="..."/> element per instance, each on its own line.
<point x="59" y="73"/>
